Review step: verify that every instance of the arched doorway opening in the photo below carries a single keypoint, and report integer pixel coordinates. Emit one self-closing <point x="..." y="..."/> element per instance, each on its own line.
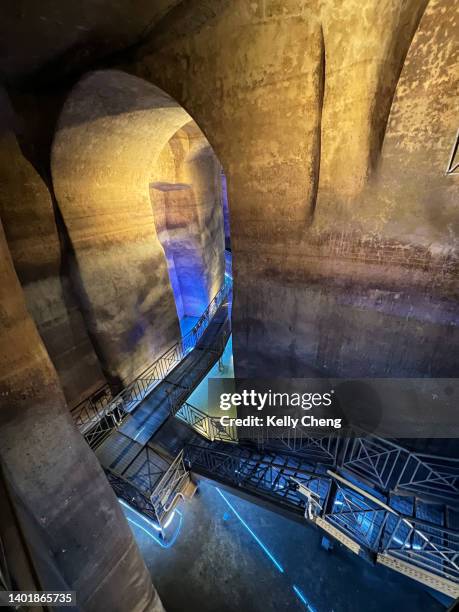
<point x="139" y="190"/>
<point x="186" y="197"/>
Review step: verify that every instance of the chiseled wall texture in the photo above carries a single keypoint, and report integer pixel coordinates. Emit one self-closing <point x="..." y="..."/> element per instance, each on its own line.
<point x="186" y="198"/>
<point x="334" y="121"/>
<point x="27" y="214"/>
<point x="51" y="38"/>
<point x="61" y="494"/>
<point x="112" y="128"/>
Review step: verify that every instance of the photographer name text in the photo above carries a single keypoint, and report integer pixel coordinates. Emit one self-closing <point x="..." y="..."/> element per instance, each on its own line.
<point x="284" y="421"/>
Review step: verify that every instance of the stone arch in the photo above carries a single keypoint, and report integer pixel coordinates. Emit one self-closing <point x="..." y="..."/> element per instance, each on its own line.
<point x="109" y="137"/>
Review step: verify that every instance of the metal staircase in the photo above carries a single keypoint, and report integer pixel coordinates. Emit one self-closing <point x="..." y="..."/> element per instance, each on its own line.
<point x="154" y="494"/>
<point x="383" y="502"/>
<point x="102" y="413"/>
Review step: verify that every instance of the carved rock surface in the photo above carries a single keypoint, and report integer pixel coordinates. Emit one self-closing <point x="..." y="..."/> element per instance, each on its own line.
<point x="28" y="218"/>
<point x="68" y="512"/>
<point x="334" y="122"/>
<point x="187" y="206"/>
<point x="110" y="133"/>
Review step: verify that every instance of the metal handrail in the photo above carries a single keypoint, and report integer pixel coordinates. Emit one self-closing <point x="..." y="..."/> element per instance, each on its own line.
<point x="383" y="463"/>
<point x="91" y="409"/>
<point x="431" y="547"/>
<point x="297" y="440"/>
<point x="345" y="507"/>
<point x="345" y="510"/>
<point x="103" y="420"/>
<point x="132" y="495"/>
<point x="208" y="426"/>
<point x="392" y="467"/>
<point x="430" y="474"/>
<point x="169" y="488"/>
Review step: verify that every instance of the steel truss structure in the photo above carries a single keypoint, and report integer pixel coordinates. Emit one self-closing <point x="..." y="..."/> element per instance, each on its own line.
<point x="380" y="462"/>
<point x="361" y="519"/>
<point x="392" y="467"/>
<point x="207" y="426"/>
<point x="157" y="500"/>
<point x="354" y="505"/>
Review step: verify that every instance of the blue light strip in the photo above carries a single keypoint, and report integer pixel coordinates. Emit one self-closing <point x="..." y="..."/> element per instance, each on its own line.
<point x="169" y="520"/>
<point x="255" y="537"/>
<point x="144" y="518"/>
<point x="300" y="595"/>
<point x="153" y="537"/>
<point x="303" y="599"/>
<point x="171" y="542"/>
<point x="153" y="525"/>
<point x="139" y="432"/>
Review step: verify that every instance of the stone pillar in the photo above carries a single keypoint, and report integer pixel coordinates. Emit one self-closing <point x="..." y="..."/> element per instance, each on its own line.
<point x="27" y="214"/>
<point x="69" y="514"/>
<point x="186" y="198"/>
<point x="111" y="130"/>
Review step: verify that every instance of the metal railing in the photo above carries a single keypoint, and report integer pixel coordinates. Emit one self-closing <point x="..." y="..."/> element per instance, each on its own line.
<point x="392" y="467"/>
<point x="128" y="492"/>
<point x="90" y="410"/>
<point x="354" y="516"/>
<point x="380" y="462"/>
<point x="427" y="546"/>
<point x="209" y="355"/>
<point x="156" y="501"/>
<point x="374" y="459"/>
<point x="209" y="427"/>
<point x="359" y="518"/>
<point x="430" y="475"/>
<point x="170" y="488"/>
<point x="267" y="474"/>
<point x="297" y="440"/>
<point x="107" y="421"/>
<point x="97" y="417"/>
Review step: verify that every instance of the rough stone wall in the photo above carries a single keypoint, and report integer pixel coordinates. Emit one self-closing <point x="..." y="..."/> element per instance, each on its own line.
<point x="111" y="130"/>
<point x="52" y="37"/>
<point x="202" y="170"/>
<point x="186" y="199"/>
<point x="62" y="496"/>
<point x="333" y="119"/>
<point x="226" y="214"/>
<point x="27" y="214"/>
<point x="334" y="123"/>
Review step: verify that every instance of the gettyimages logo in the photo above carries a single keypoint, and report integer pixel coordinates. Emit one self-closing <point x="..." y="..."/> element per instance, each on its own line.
<point x="272" y="399"/>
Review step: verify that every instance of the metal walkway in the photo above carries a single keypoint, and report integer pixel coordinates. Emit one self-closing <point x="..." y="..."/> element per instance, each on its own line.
<point x="410" y="536"/>
<point x="135" y="468"/>
<point x="143" y="403"/>
<point x="381" y="501"/>
<point x="138" y="428"/>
